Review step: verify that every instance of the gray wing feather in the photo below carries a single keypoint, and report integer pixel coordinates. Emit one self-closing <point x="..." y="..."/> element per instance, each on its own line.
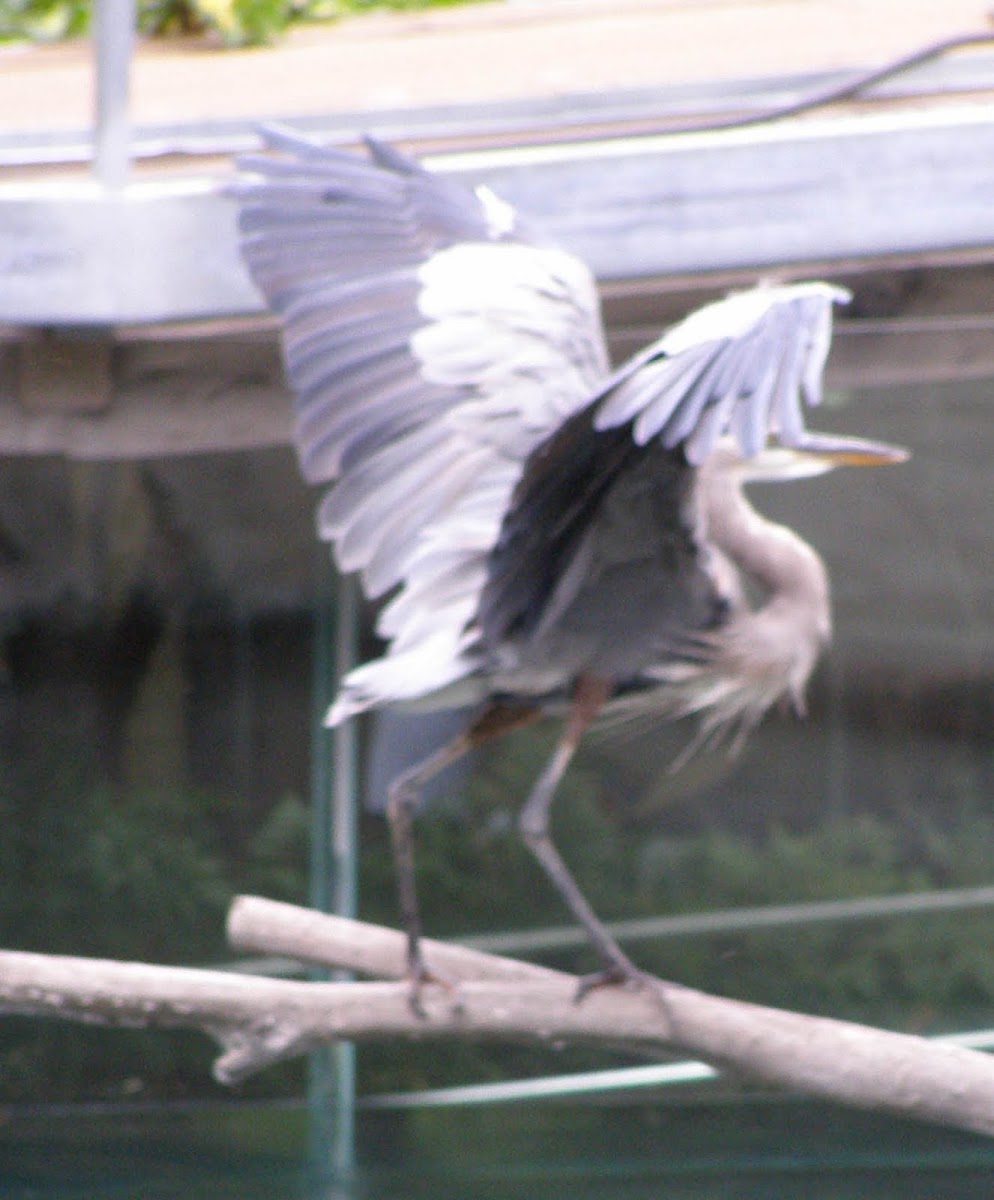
<point x="674" y="409"/>
<point x="431" y="344"/>
<point x="742" y="365"/>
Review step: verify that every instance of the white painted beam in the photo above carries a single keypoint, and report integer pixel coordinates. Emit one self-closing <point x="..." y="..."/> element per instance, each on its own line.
<point x="907" y="184"/>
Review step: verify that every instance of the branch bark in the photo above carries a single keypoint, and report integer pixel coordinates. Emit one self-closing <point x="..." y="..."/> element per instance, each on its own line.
<point x="258" y="1021"/>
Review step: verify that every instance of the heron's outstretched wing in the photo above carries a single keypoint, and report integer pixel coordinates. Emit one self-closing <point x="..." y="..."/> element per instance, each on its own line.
<point x="431" y="345"/>
<point x="744" y="366"/>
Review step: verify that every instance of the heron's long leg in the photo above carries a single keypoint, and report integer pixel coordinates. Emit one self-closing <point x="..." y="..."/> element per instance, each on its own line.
<point x="402" y="800"/>
<point x="533" y="822"/>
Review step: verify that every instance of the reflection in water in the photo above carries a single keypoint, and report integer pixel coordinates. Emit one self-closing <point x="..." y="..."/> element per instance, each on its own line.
<point x="753" y="1148"/>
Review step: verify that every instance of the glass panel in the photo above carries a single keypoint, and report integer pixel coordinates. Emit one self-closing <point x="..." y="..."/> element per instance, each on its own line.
<point x="154" y="713"/>
<point x="155" y="619"/>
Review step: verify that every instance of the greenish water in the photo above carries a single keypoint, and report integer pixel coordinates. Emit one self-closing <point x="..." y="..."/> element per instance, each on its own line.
<point x="748" y="1150"/>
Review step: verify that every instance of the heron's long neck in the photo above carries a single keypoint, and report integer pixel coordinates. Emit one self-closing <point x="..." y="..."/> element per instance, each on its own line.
<point x="761" y="654"/>
<point x="771" y="555"/>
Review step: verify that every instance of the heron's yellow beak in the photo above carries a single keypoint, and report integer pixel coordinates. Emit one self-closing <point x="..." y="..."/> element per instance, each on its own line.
<point x="870" y="458"/>
<point x="814" y="454"/>
<point x="841" y="451"/>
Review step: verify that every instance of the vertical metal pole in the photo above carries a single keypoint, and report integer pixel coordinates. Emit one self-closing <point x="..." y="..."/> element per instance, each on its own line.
<point x="113" y="37"/>
<point x="837" y="767"/>
<point x="331" y="1086"/>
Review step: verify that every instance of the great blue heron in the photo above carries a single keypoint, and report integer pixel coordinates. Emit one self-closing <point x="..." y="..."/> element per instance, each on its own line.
<point x="556" y="536"/>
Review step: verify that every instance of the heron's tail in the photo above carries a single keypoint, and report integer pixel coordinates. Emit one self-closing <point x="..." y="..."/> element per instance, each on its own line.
<point x="422" y="676"/>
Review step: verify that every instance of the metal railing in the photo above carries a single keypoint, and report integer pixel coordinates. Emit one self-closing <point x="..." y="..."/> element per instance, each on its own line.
<point x="113" y="40"/>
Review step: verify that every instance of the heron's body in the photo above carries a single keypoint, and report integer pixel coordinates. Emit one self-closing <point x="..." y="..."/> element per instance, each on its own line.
<point x="550" y="533"/>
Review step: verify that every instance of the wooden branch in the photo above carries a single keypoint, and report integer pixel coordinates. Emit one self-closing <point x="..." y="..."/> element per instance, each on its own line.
<point x="262" y="926"/>
<point x="259" y="1021"/>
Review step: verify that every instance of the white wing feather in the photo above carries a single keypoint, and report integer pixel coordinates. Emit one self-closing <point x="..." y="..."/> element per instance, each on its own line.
<point x="741" y="365"/>
<point x="501" y="337"/>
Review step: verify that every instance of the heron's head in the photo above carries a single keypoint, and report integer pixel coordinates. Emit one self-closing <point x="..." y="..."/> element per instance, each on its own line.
<point x="817" y="453"/>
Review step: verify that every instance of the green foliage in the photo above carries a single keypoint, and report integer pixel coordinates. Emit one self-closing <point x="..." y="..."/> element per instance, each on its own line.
<point x="916" y="972"/>
<point x="43" y="20"/>
<point x="148" y="875"/>
<point x="234" y="22"/>
<point x="909" y="971"/>
<point x="277" y="854"/>
<point x="93" y="874"/>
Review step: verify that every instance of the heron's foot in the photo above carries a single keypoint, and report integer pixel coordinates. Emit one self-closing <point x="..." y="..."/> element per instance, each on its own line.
<point x="626" y="975"/>
<point x="617" y="974"/>
<point x="420" y="976"/>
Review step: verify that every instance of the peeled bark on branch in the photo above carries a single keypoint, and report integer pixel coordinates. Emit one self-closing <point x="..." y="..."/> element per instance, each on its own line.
<point x="258" y="1021"/>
